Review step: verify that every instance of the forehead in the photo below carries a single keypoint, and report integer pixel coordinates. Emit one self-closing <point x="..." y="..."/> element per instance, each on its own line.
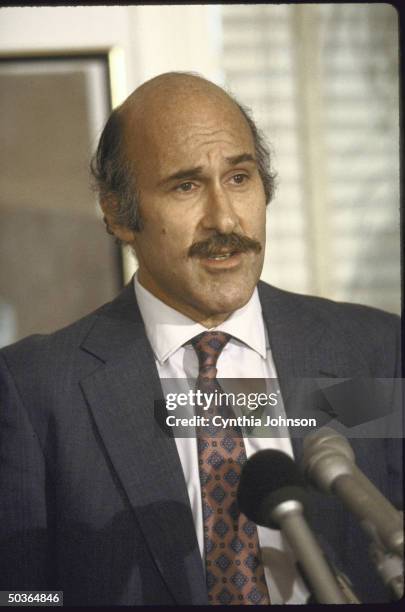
<point x="194" y="130"/>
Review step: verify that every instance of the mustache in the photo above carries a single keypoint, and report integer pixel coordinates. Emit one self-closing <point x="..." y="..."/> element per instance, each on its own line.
<point x="218" y="242"/>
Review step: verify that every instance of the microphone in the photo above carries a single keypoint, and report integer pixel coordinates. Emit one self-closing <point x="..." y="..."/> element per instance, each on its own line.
<point x="329" y="462"/>
<point x="271" y="493"/>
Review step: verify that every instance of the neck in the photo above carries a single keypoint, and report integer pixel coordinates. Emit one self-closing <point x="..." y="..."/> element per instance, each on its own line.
<point x="207" y="320"/>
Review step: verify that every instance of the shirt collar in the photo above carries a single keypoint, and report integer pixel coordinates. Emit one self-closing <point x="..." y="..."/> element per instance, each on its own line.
<point x="168" y="329"/>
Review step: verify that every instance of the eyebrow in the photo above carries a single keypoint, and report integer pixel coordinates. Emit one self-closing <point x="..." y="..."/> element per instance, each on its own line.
<point x="243" y="157"/>
<point x="189" y="173"/>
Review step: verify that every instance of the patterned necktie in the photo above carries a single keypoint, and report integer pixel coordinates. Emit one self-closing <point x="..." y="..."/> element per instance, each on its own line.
<point x="234" y="571"/>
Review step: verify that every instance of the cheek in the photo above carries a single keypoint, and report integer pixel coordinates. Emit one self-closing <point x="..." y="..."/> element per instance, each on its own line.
<point x="254" y="219"/>
<point x="171" y="242"/>
<point x="259" y="215"/>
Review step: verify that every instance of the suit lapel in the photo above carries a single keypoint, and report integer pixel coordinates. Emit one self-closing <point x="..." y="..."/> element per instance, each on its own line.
<point x="121" y="394"/>
<point x="304" y="348"/>
<point x="303" y="343"/>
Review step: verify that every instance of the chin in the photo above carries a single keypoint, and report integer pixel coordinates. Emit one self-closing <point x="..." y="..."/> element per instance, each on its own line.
<point x="224" y="303"/>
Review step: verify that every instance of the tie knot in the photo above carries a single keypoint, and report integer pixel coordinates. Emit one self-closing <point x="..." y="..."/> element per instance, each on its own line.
<point x="208" y="347"/>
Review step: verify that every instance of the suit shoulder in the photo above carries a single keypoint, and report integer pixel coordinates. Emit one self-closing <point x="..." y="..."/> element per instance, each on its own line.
<point x="368" y="334"/>
<point x="43" y="347"/>
<point x="341" y="313"/>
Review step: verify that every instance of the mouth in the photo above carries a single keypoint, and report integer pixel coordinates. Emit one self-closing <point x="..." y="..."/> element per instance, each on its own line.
<point x="221" y="256"/>
<point x="227" y="260"/>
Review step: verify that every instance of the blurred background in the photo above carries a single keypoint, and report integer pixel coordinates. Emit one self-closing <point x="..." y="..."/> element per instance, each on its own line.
<point x="322" y="82"/>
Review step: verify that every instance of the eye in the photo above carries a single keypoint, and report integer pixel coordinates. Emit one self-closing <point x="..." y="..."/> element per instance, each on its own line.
<point x="185" y="187"/>
<point x="239" y="179"/>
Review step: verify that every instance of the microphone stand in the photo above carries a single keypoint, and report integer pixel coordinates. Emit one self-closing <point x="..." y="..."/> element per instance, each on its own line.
<point x="324" y="584"/>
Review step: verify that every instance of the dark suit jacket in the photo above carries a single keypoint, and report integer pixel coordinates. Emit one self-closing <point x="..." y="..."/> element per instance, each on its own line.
<point x="93" y="497"/>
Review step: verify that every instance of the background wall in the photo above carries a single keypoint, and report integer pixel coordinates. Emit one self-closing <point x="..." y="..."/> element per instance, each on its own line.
<point x="322" y="81"/>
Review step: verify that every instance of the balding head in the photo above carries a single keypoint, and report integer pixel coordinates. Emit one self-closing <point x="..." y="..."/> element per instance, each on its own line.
<point x="172" y="91"/>
<point x="184" y="180"/>
<point x="147" y="116"/>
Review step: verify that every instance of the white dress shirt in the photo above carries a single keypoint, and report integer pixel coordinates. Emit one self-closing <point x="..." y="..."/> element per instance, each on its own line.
<point x="246" y="355"/>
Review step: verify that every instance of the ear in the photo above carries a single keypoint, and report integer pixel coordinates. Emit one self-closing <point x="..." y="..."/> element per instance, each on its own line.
<point x="119" y="231"/>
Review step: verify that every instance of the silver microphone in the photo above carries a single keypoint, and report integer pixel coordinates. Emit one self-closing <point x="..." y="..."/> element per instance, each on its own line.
<point x="329" y="462"/>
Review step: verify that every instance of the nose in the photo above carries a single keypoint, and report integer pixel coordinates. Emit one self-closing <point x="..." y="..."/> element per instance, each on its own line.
<point x="219" y="212"/>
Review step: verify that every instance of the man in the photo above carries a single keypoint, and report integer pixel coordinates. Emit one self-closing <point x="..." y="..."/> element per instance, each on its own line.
<point x="97" y="500"/>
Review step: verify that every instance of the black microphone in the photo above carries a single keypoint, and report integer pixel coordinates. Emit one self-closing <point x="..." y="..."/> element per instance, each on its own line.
<point x="271" y="493"/>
